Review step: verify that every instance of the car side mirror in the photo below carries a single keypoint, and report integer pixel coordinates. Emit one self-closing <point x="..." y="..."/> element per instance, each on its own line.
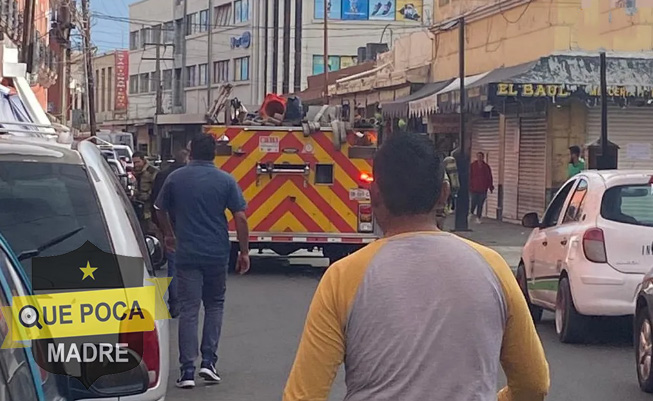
<point x="155" y="250"/>
<point x="530" y="220"/>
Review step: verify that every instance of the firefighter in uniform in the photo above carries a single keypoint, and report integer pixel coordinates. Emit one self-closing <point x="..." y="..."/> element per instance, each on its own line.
<point x="145" y="175"/>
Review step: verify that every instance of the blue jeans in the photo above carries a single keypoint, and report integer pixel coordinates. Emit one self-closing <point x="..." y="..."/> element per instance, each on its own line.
<point x="195" y="284"/>
<point x="172" y="289"/>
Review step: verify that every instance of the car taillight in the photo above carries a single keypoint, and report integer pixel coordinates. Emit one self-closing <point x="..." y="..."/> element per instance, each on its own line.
<point x="365" y="218"/>
<point x="594" y="246"/>
<point x="145" y="344"/>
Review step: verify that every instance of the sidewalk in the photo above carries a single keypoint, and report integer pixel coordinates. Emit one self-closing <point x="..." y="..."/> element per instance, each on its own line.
<point x="505" y="238"/>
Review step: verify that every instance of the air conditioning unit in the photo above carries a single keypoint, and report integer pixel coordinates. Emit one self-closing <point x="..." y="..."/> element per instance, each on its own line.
<point x="373" y="49"/>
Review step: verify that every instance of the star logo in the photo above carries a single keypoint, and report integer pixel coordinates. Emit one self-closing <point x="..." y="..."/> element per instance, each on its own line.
<point x="88" y="271"/>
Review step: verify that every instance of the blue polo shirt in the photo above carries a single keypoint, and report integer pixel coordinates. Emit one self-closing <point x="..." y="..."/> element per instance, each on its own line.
<point x="198" y="196"/>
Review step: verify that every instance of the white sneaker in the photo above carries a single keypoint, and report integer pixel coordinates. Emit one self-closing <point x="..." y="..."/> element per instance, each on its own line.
<point x="478" y="221"/>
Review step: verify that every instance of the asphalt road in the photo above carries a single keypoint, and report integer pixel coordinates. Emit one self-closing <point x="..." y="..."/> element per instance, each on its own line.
<point x="265" y="314"/>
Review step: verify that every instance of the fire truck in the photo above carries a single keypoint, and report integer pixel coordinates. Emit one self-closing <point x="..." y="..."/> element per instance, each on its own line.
<point x="306" y="187"/>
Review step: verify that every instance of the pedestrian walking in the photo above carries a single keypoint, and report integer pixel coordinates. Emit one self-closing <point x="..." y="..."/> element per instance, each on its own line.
<point x="181" y="158"/>
<point x="441" y="205"/>
<point x="480" y="182"/>
<point x="407" y="322"/>
<point x="576" y="162"/>
<point x="451" y="169"/>
<point x="198" y="195"/>
<point x="145" y="174"/>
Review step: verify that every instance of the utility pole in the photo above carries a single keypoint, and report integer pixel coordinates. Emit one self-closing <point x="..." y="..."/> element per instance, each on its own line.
<point x="209" y="63"/>
<point x="27" y="48"/>
<point x="88" y="55"/>
<point x="326" y="52"/>
<point x="604" y="160"/>
<point x="158" y="43"/>
<point x="462" y="201"/>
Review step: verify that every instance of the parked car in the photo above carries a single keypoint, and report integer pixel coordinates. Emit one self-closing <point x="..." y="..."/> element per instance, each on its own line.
<point x="590" y="250"/>
<point x="48" y="190"/>
<point x="25" y="380"/>
<point x="643" y="332"/>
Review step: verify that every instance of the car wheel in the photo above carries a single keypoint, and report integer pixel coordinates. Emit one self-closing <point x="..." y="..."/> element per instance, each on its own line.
<point x="644" y="351"/>
<point x="570" y="325"/>
<point x="536" y="311"/>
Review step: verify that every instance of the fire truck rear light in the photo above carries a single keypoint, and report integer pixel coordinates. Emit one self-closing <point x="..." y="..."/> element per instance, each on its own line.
<point x="365" y="218"/>
<point x="366" y="177"/>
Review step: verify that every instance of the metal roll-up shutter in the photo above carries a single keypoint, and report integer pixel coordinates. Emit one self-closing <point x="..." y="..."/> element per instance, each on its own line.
<point x="630" y="128"/>
<point x="532" y="162"/>
<point x="511" y="170"/>
<point x="486" y="139"/>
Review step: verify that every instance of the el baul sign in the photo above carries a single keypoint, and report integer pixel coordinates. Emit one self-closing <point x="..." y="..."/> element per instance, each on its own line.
<point x="121" y="80"/>
<point x="564" y="90"/>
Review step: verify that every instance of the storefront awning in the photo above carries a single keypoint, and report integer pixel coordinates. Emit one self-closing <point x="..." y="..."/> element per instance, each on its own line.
<point x="399" y="107"/>
<point x="429" y="104"/>
<point x="557" y="77"/>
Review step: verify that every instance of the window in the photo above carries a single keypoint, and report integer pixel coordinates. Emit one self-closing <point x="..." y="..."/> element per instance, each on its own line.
<point x="156" y="34"/>
<point x="144" y="83"/>
<point x="203" y="74"/>
<point x="153" y="83"/>
<point x="134" y="40"/>
<point x="191" y="76"/>
<point x="103" y="90"/>
<point x="178" y="39"/>
<point x="241" y="69"/>
<point x="42" y="201"/>
<point x="223" y="15"/>
<point x="221" y="71"/>
<point x="192" y="23"/>
<point x="552" y="214"/>
<point x="241" y="11"/>
<point x="629" y="204"/>
<point x="145" y="36"/>
<point x="110" y="89"/>
<point x="575" y="208"/>
<point x="334" y="63"/>
<point x="176" y="100"/>
<point x="168" y="32"/>
<point x="204" y="21"/>
<point x="133" y="84"/>
<point x="167" y="79"/>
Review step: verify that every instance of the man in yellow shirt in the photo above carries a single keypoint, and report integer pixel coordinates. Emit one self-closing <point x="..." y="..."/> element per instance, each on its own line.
<point x="421" y="314"/>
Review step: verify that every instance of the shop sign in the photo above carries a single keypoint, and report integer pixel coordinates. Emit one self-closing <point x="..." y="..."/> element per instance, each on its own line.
<point x="242" y="41"/>
<point x="121" y="80"/>
<point x="532" y="90"/>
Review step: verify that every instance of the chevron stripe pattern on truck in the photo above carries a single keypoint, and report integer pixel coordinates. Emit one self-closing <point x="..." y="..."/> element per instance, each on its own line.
<point x="284" y="203"/>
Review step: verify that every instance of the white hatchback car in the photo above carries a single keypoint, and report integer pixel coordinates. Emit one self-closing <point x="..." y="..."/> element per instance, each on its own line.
<point x="590" y="250"/>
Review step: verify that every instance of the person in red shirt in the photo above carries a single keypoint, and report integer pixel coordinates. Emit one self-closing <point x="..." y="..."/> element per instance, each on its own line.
<point x="479" y="184"/>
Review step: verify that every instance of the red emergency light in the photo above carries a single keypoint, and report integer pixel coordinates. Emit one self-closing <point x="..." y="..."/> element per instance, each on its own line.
<point x="366" y="177"/>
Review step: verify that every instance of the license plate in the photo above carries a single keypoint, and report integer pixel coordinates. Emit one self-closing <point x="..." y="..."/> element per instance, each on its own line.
<point x="359" y="194"/>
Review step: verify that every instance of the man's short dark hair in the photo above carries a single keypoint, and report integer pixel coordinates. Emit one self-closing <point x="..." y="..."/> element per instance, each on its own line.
<point x="202" y="147"/>
<point x="575" y="150"/>
<point x="409" y="174"/>
<point x="480" y="153"/>
<point x="139" y="154"/>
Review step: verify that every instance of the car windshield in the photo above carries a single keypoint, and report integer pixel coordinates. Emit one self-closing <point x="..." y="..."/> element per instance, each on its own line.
<point x="629" y="204"/>
<point x="123" y="152"/>
<point x="42" y="201"/>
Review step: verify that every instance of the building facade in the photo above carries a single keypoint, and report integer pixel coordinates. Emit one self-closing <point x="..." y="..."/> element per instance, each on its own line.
<point x="532" y="88"/>
<point x="251" y="47"/>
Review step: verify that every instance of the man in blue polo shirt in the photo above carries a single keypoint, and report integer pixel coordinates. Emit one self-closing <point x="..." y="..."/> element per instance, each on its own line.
<point x="198" y="196"/>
